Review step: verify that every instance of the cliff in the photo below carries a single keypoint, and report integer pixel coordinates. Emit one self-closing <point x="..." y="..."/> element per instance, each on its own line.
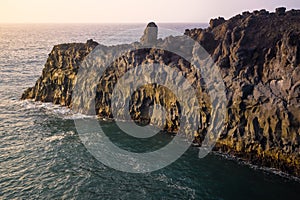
<point x="258" y="55"/>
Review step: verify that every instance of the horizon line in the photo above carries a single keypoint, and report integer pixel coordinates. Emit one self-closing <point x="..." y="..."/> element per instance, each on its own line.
<point x="103" y="22"/>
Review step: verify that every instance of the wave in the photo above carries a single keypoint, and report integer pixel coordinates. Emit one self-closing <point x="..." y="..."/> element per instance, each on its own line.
<point x="54" y="109"/>
<point x="67" y="114"/>
<point x="269" y="170"/>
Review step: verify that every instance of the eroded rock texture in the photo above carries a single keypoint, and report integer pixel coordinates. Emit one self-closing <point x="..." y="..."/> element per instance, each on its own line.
<point x="58" y="76"/>
<point x="258" y="55"/>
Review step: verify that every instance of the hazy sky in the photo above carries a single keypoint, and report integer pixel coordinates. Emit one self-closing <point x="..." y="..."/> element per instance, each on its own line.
<point x="129" y="11"/>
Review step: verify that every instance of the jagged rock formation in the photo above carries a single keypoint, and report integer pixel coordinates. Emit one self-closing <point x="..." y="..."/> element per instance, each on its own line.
<point x="150" y="34"/>
<point x="259" y="58"/>
<point x="58" y="76"/>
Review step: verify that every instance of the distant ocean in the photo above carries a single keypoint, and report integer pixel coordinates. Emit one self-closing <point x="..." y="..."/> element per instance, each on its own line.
<point x="41" y="154"/>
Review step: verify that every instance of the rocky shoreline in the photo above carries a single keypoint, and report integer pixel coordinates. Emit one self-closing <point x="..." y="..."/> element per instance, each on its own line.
<point x="258" y="55"/>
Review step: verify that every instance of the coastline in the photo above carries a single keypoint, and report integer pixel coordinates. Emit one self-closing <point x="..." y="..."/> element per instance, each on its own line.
<point x="67" y="113"/>
<point x="261" y="121"/>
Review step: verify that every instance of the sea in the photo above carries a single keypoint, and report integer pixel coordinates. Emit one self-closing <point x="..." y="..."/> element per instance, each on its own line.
<point x="43" y="157"/>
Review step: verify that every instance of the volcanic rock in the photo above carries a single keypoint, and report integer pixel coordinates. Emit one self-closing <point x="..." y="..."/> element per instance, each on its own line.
<point x="258" y="55"/>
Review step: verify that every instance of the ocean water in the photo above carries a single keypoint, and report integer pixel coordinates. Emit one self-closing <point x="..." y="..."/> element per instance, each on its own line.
<point x="42" y="156"/>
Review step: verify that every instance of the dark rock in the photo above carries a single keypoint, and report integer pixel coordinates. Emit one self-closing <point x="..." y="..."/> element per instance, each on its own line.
<point x="259" y="59"/>
<point x="246" y="13"/>
<point x="280" y="11"/>
<point x="263" y="12"/>
<point x="255" y="12"/>
<point x="216" y="22"/>
<point x="57" y="80"/>
<point x="150" y="34"/>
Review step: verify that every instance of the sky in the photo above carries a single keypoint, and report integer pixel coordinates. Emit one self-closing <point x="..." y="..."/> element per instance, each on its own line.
<point x="130" y="11"/>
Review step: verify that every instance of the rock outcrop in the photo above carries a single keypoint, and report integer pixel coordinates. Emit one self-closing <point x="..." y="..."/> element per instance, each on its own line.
<point x="58" y="76"/>
<point x="150" y="34"/>
<point x="258" y="55"/>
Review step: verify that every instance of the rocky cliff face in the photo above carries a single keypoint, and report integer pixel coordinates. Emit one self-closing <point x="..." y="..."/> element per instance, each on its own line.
<point x="258" y="55"/>
<point x="58" y="76"/>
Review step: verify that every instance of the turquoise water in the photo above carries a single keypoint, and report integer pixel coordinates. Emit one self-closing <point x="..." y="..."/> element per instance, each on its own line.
<point x="42" y="156"/>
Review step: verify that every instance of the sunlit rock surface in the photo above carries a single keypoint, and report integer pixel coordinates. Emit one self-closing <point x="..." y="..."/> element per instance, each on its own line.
<point x="258" y="55"/>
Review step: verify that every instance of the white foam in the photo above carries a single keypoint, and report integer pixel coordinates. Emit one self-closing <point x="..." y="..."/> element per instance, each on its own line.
<point x="255" y="167"/>
<point x="174" y="184"/>
<point x="53" y="109"/>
